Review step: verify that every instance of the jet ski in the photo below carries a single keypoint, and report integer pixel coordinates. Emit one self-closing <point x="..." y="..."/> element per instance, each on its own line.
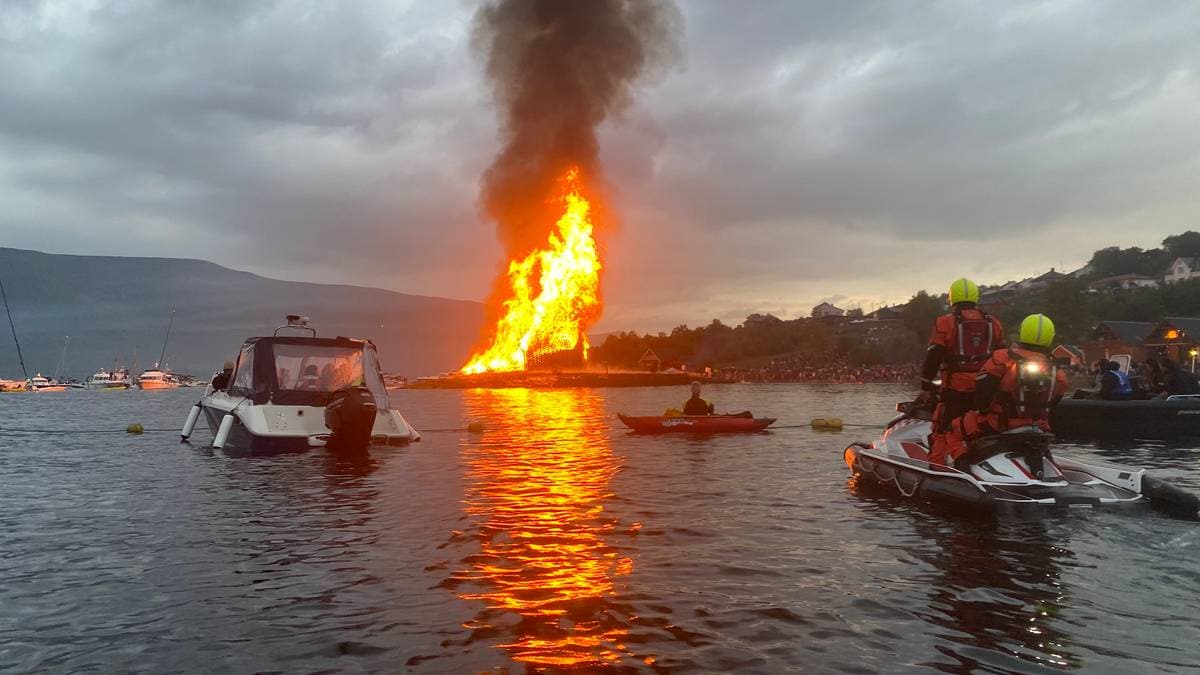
<point x="697" y="424"/>
<point x="1014" y="470"/>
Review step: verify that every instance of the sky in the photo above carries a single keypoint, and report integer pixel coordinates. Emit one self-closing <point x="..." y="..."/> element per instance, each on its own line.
<point x="797" y="152"/>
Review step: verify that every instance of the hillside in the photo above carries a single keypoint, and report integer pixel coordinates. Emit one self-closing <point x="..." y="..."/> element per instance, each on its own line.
<point x="110" y="306"/>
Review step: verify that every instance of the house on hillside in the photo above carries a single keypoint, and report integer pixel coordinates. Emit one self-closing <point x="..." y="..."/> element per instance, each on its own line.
<point x="827" y="311"/>
<point x="1085" y="271"/>
<point x="1175" y="335"/>
<point x="1182" y="269"/>
<point x="1122" y="282"/>
<point x="1040" y="282"/>
<point x="650" y="362"/>
<point x="884" y="314"/>
<point x="993" y="299"/>
<point x="1070" y="353"/>
<point x="1117" y="337"/>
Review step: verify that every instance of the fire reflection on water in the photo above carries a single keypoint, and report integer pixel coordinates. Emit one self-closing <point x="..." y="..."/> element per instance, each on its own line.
<point x="536" y="483"/>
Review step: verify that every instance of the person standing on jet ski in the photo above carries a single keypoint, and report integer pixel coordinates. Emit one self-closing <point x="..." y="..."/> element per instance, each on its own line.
<point x="1017" y="387"/>
<point x="961" y="342"/>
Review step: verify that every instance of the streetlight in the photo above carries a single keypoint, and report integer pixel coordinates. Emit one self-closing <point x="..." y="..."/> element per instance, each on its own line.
<point x="1193" y="352"/>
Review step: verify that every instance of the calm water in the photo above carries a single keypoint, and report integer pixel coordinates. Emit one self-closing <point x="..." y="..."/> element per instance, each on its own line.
<point x="553" y="541"/>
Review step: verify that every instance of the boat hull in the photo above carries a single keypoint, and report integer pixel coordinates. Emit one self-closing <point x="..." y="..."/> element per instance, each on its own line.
<point x="155" y="385"/>
<point x="1150" y="420"/>
<point x="262" y="429"/>
<point x="696" y="424"/>
<point x="923" y="481"/>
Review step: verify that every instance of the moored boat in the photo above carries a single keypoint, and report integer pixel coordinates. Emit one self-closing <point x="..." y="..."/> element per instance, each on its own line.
<point x="1154" y="419"/>
<point x="11" y="386"/>
<point x="697" y="424"/>
<point x="154" y="379"/>
<point x="117" y="379"/>
<point x="295" y="392"/>
<point x="39" y="383"/>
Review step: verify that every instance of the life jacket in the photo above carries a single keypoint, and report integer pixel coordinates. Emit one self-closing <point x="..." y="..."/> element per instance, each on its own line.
<point x="1124" y="385"/>
<point x="973" y="343"/>
<point x="1028" y="386"/>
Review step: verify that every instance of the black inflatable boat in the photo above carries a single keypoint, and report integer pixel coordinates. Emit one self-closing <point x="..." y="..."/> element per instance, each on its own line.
<point x="1157" y="419"/>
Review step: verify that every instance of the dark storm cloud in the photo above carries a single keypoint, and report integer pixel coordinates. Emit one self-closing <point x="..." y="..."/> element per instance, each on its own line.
<point x="801" y="144"/>
<point x="279" y="136"/>
<point x="929" y="119"/>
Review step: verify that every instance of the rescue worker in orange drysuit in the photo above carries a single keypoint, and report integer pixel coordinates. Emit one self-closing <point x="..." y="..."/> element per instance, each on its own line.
<point x="1017" y="387"/>
<point x="962" y="340"/>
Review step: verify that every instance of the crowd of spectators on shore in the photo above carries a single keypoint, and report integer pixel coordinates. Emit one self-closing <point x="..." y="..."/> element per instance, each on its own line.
<point x="836" y="370"/>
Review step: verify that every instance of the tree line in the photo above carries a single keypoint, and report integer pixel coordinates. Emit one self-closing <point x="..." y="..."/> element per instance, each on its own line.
<point x="1074" y="309"/>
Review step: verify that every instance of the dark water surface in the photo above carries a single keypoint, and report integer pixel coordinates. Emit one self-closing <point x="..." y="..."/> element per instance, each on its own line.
<point x="553" y="541"/>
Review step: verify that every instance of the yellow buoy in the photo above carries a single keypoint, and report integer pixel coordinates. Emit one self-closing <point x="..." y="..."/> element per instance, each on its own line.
<point x="134" y="428"/>
<point x="827" y="424"/>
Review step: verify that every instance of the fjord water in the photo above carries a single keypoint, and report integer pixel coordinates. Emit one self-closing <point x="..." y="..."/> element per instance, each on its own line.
<point x="556" y="540"/>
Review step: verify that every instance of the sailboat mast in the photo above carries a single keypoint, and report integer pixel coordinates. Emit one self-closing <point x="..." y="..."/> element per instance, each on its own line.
<point x="14" y="331"/>
<point x="62" y="359"/>
<point x="163" y="354"/>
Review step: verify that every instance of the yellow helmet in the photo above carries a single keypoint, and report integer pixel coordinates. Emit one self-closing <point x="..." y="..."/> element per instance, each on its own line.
<point x="1037" y="329"/>
<point x="963" y="290"/>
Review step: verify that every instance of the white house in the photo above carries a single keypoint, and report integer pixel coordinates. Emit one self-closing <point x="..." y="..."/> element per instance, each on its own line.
<point x="825" y="310"/>
<point x="1182" y="270"/>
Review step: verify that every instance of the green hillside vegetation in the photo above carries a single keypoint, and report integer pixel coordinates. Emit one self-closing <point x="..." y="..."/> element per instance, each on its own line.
<point x="1074" y="308"/>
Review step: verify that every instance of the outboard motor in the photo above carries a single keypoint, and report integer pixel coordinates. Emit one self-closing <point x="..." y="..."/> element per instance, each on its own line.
<point x="350" y="416"/>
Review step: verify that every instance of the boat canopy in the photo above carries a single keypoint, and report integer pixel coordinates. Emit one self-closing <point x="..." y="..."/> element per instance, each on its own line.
<point x="305" y="370"/>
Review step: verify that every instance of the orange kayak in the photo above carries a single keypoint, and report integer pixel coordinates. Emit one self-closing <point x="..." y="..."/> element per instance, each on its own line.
<point x="697" y="424"/>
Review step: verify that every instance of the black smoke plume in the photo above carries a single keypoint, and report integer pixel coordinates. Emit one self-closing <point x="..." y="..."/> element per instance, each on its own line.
<point x="558" y="69"/>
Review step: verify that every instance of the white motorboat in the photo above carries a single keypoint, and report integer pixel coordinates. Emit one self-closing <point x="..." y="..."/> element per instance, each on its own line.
<point x="292" y="392"/>
<point x="40" y="383"/>
<point x="117" y="379"/>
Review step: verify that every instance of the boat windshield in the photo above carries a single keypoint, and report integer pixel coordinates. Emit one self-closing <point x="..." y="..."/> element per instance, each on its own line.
<point x="306" y="368"/>
<point x="326" y="369"/>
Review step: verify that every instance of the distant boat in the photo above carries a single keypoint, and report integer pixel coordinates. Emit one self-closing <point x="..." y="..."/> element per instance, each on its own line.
<point x="117" y="379"/>
<point x="13" y="385"/>
<point x="43" y="384"/>
<point x="157" y="379"/>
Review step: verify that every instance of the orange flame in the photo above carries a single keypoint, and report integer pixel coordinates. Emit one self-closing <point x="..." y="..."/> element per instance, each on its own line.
<point x="553" y="293"/>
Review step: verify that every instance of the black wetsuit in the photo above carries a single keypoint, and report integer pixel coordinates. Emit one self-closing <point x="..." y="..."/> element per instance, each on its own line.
<point x="221" y="380"/>
<point x="697" y="406"/>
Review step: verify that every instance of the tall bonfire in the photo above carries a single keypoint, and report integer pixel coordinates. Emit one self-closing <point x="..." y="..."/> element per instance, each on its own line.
<point x="557" y="70"/>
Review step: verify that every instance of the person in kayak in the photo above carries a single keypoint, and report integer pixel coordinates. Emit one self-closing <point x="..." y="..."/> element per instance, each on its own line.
<point x="961" y="341"/>
<point x="696" y="405"/>
<point x="1115" y="385"/>
<point x="1016" y="387"/>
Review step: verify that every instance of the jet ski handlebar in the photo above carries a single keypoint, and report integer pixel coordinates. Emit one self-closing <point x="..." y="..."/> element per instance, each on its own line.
<point x="922" y="410"/>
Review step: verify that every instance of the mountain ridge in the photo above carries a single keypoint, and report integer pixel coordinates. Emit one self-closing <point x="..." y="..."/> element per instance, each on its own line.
<point x="111" y="306"/>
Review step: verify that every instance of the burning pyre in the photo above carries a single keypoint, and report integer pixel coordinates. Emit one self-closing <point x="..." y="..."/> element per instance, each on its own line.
<point x="558" y="69"/>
